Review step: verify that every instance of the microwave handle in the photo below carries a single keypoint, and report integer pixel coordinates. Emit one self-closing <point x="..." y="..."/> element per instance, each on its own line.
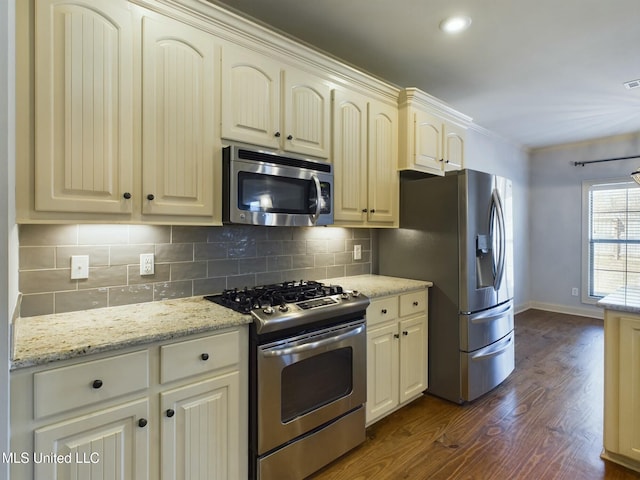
<point x="316" y="182"/>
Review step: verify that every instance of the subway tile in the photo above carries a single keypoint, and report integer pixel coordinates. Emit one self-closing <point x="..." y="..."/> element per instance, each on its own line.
<point x="104" y="277"/>
<point x="279" y="263"/>
<point x="174" y="252"/>
<point x="36" y="304"/>
<point x="268" y="278"/>
<point x="128" y="254"/>
<point x="209" y="251"/>
<point x="335" y="245"/>
<point x="209" y="286"/>
<point x="280" y="233"/>
<point x="188" y="234"/>
<point x="162" y="273"/>
<point x="103" y="234"/>
<point x="81" y="300"/>
<point x="188" y="271"/>
<point x="301" y="261"/>
<point x="37" y="258"/>
<point x="41" y="281"/>
<point x="269" y="247"/>
<point x="344" y="258"/>
<point x="219" y="268"/>
<point x="98" y="255"/>
<point x="129" y="294"/>
<point x="241" y="281"/>
<point x="236" y="233"/>
<point x="294" y="247"/>
<point x="252" y="265"/>
<point x="361" y="233"/>
<point x="37" y="235"/>
<point x="317" y="246"/>
<point x="242" y="249"/>
<point x="149" y="234"/>
<point x="324" y="259"/>
<point x="169" y="290"/>
<point x="336" y="271"/>
<point x="357" y="269"/>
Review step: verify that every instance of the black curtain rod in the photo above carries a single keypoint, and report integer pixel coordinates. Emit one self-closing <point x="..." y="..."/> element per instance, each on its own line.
<point x="582" y="164"/>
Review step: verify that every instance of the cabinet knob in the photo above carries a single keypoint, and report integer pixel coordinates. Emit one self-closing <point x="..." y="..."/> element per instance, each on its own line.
<point x="277" y="134"/>
<point x="142" y="422"/>
<point x="446" y="161"/>
<point x="151" y="196"/>
<point x="383" y="311"/>
<point x="97" y="384"/>
<point x="373" y="210"/>
<point x="126" y="195"/>
<point x="395" y="335"/>
<point x="441" y="160"/>
<point x="170" y="413"/>
<point x="405" y="333"/>
<point x="289" y="137"/>
<point x="204" y="356"/>
<point x="364" y="210"/>
<point x="415" y="304"/>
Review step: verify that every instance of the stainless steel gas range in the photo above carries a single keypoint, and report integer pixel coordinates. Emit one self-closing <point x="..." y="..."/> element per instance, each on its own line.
<point x="307" y="378"/>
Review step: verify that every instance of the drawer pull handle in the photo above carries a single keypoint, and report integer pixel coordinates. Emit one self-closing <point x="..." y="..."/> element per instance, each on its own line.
<point x="204" y="356"/>
<point x="384" y="311"/>
<point x="142" y="422"/>
<point x="170" y="413"/>
<point x="415" y="304"/>
<point x="97" y="384"/>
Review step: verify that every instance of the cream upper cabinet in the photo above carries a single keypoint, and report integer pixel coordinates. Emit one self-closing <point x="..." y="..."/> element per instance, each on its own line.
<point x="365" y="149"/>
<point x="266" y="104"/>
<point x="84" y="97"/>
<point x="180" y="130"/>
<point x="433" y="134"/>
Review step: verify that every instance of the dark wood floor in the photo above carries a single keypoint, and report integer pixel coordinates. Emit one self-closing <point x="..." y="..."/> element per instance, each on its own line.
<point x="544" y="422"/>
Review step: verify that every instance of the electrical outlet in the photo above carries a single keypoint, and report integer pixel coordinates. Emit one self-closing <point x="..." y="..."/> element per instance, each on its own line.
<point x="357" y="252"/>
<point x="79" y="267"/>
<point x="574" y="291"/>
<point x="147" y="266"/>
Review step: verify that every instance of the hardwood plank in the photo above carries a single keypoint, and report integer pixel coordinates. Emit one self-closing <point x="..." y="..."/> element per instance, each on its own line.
<point x="544" y="422"/>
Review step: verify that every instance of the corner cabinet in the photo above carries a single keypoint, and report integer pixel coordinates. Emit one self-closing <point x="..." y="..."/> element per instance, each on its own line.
<point x="268" y="104"/>
<point x="170" y="411"/>
<point x="396" y="352"/>
<point x="433" y="139"/>
<point x="622" y="389"/>
<point x="126" y="119"/>
<point x="365" y="145"/>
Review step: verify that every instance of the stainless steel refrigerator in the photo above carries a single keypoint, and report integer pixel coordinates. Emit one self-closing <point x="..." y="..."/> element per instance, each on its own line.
<point x="457" y="231"/>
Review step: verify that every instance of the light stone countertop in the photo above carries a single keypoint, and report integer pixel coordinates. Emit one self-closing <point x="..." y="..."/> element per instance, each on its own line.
<point x="624" y="300"/>
<point x="378" y="285"/>
<point x="61" y="336"/>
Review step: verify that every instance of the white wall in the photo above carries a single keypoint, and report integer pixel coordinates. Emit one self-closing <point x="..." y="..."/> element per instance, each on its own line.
<point x="490" y="153"/>
<point x="8" y="230"/>
<point x="556" y="215"/>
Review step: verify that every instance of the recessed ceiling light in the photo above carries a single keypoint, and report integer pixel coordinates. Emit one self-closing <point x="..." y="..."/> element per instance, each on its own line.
<point x="455" y="24"/>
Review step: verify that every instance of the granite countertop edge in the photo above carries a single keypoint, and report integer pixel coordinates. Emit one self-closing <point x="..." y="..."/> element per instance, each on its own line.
<point x="49" y="338"/>
<point x="624" y="300"/>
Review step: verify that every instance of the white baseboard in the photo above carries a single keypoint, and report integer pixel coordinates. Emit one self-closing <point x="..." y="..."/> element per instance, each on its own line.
<point x="593" y="312"/>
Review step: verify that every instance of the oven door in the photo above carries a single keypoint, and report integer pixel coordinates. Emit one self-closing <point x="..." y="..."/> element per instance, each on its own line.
<point x="309" y="380"/>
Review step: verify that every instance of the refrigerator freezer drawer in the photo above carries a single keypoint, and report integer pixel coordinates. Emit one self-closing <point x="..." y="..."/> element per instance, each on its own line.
<point x="480" y="329"/>
<point x="486" y="368"/>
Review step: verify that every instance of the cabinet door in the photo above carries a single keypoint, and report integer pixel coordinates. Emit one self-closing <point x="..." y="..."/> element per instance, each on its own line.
<point x="200" y="428"/>
<point x="630" y="387"/>
<point x="84" y="106"/>
<point x="250" y="97"/>
<point x="180" y="143"/>
<point x="454" y="140"/>
<point x="349" y="156"/>
<point x="413" y="357"/>
<point x="428" y="140"/>
<point x="383" y="164"/>
<point x="107" y="445"/>
<point x="307" y="110"/>
<point x="382" y="370"/>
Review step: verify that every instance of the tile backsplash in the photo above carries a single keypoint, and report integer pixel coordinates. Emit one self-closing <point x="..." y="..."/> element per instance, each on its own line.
<point x="188" y="261"/>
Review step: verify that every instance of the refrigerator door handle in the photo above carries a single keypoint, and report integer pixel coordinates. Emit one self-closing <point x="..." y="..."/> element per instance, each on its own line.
<point x="484" y="317"/>
<point x="497" y="213"/>
<point x="492" y="350"/>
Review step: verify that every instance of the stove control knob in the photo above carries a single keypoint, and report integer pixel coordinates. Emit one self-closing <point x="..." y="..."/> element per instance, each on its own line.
<point x="345" y="296"/>
<point x="268" y="310"/>
<point x="355" y="293"/>
<point x="283" y="308"/>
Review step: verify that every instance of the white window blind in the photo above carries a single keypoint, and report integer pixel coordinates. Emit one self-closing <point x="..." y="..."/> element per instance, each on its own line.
<point x="612" y="236"/>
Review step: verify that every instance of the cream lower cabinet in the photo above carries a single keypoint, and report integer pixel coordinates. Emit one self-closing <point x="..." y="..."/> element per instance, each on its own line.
<point x="622" y="389"/>
<point x="365" y="145"/>
<point x="396" y="352"/>
<point x="170" y="411"/>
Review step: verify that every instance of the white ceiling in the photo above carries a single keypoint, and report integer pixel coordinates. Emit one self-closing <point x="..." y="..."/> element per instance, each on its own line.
<point x="538" y="72"/>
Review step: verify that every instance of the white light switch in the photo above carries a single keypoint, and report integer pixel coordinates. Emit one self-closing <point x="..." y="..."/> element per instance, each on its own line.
<point x="357" y="252"/>
<point x="79" y="267"/>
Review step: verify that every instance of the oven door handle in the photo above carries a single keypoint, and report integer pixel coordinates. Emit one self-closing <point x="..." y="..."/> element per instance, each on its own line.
<point x="316" y="182"/>
<point x="303" y="347"/>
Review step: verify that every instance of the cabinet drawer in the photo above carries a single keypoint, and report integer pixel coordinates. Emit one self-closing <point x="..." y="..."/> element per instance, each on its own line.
<point x="193" y="357"/>
<point x="79" y="385"/>
<point x="414" y="302"/>
<point x="382" y="310"/>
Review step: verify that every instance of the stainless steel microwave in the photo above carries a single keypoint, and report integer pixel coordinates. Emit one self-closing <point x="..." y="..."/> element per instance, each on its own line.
<point x="262" y="187"/>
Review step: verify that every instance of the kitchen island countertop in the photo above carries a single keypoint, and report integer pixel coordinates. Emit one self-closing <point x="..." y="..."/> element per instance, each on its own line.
<point x="623" y="300"/>
<point x="61" y="336"/>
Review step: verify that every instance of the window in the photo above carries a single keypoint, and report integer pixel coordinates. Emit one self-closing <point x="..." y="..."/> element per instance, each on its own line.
<point x="611" y="237"/>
